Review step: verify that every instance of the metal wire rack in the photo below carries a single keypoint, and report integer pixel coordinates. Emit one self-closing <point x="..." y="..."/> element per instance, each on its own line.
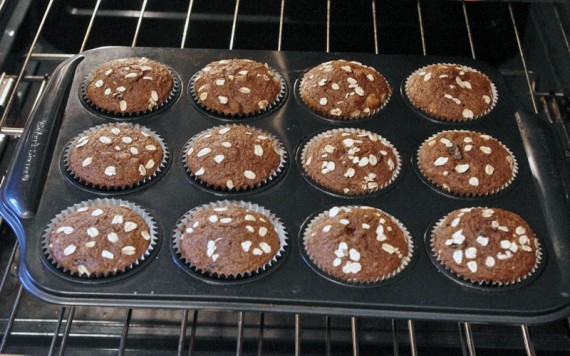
<point x="29" y="325"/>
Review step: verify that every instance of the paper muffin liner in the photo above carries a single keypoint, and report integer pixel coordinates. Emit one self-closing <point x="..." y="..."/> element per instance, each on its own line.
<point x="270" y="107"/>
<point x="280" y="149"/>
<point x="130" y="115"/>
<point x="494" y="92"/>
<point x="403" y="263"/>
<point x="275" y="221"/>
<point x="537" y="263"/>
<point x="148" y="219"/>
<point x="69" y="147"/>
<point x="344" y="117"/>
<point x="384" y="141"/>
<point x="514" y="166"/>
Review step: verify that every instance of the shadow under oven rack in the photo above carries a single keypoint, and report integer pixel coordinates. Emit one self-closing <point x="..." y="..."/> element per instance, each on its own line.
<point x="528" y="42"/>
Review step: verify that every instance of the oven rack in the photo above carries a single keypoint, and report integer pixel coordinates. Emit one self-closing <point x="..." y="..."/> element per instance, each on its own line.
<point x="252" y="328"/>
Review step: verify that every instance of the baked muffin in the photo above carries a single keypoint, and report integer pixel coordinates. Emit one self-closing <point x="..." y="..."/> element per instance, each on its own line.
<point x="486" y="245"/>
<point x="230" y="239"/>
<point x="351" y="161"/>
<point x="234" y="157"/>
<point x="99" y="239"/>
<point x="358" y="244"/>
<point x="344" y="90"/>
<point x="466" y="163"/>
<point x="237" y="87"/>
<point x="451" y="92"/>
<point x="129" y="86"/>
<point x="115" y="156"/>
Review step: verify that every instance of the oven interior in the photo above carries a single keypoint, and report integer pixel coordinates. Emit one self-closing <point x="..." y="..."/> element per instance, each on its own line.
<point x="527" y="41"/>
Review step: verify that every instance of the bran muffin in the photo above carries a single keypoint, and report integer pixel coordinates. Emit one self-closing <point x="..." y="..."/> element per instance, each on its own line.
<point x="451" y="92"/>
<point x="237" y="87"/>
<point x="343" y="89"/>
<point x="234" y="157"/>
<point x="129" y="86"/>
<point x="358" y="244"/>
<point x="99" y="239"/>
<point x="351" y="161"/>
<point x="486" y="245"/>
<point x="115" y="156"/>
<point x="230" y="239"/>
<point x="466" y="163"/>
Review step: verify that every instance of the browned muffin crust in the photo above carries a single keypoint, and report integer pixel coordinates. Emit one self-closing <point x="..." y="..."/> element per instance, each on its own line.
<point x="351" y="161"/>
<point x="130" y="85"/>
<point x="233" y="157"/>
<point x="229" y="241"/>
<point x="116" y="155"/>
<point x="344" y="90"/>
<point x="99" y="240"/>
<point x="357" y="244"/>
<point x="486" y="245"/>
<point x="466" y="163"/>
<point x="237" y="87"/>
<point x="451" y="92"/>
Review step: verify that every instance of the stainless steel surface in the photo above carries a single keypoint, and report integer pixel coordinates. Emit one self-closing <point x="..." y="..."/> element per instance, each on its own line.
<point x="24" y="317"/>
<point x="528" y="80"/>
<point x="412" y="334"/>
<point x="354" y="328"/>
<point x="528" y="344"/>
<point x="26" y="61"/>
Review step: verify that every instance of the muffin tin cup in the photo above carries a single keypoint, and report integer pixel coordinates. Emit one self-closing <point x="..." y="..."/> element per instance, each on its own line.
<point x="275" y="221"/>
<point x="341" y="118"/>
<point x="395" y="173"/>
<point x="148" y="219"/>
<point x="146" y="179"/>
<point x="514" y="166"/>
<point x="494" y="285"/>
<point x="494" y="99"/>
<point x="174" y="94"/>
<point x="351" y="282"/>
<point x="272" y="106"/>
<point x="278" y="171"/>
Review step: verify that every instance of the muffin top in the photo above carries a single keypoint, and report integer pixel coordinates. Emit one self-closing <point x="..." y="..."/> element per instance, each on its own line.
<point x="237" y="87"/>
<point x="234" y="157"/>
<point x="486" y="245"/>
<point x="229" y="241"/>
<point x="115" y="156"/>
<point x="466" y="163"/>
<point x="358" y="244"/>
<point x="99" y="240"/>
<point x="130" y="85"/>
<point x="344" y="90"/>
<point x="351" y="161"/>
<point x="451" y="92"/>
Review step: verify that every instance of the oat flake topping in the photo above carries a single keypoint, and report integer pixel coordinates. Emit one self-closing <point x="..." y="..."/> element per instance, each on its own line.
<point x="486" y="245"/>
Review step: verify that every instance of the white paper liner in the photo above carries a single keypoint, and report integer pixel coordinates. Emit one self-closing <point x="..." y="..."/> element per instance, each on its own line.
<point x="275" y="221"/>
<point x="514" y="166"/>
<point x="270" y="107"/>
<point x="494" y="92"/>
<point x="538" y="253"/>
<point x="343" y="117"/>
<point x="403" y="263"/>
<point x="69" y="147"/>
<point x="382" y="140"/>
<point x="148" y="219"/>
<point x="280" y="150"/>
<point x="126" y="115"/>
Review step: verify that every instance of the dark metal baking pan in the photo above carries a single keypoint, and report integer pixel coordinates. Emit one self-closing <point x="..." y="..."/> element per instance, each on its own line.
<point x="36" y="190"/>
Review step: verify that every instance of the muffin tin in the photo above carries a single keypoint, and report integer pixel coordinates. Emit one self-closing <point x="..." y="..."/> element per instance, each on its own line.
<point x="36" y="190"/>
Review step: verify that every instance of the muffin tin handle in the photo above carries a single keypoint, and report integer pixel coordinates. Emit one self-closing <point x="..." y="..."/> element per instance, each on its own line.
<point x="545" y="157"/>
<point x="24" y="184"/>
